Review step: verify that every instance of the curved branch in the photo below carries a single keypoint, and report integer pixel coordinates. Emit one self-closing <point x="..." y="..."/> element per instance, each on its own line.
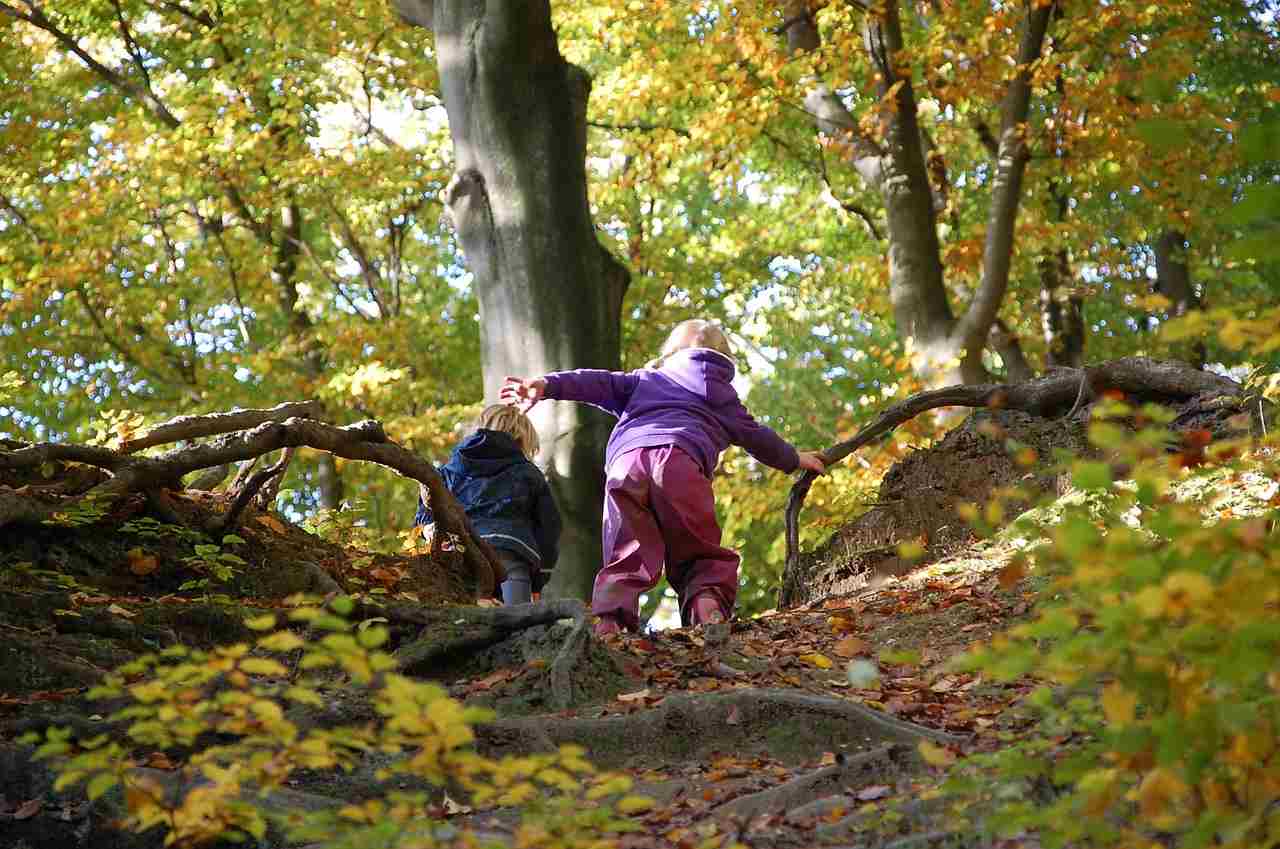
<point x="1062" y="391"/>
<point x="362" y="441"/>
<point x="214" y="424"/>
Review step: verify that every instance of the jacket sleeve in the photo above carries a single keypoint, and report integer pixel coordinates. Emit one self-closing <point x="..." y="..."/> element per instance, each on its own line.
<point x="759" y="440"/>
<point x="608" y="390"/>
<point x="547" y="526"/>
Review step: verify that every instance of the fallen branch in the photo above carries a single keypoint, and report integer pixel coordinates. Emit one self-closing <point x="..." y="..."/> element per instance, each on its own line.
<point x="251" y="488"/>
<point x="1063" y="391"/>
<point x="134" y="473"/>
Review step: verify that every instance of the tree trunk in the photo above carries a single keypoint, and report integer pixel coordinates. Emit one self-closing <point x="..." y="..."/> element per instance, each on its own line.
<point x="1173" y="280"/>
<point x="550" y="296"/>
<point x="1061" y="314"/>
<point x="946" y="349"/>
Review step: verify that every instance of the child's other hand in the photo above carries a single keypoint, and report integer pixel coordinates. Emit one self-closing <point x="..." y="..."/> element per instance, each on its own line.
<point x="522" y="393"/>
<point x="812" y="461"/>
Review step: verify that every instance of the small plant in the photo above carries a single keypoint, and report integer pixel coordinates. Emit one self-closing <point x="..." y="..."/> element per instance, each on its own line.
<point x="242" y="697"/>
<point x="149" y="529"/>
<point x="1158" y="646"/>
<point x="217" y="564"/>
<point x="80" y="513"/>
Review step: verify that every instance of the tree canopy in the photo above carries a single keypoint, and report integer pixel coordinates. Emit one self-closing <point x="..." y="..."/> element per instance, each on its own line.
<point x="212" y="204"/>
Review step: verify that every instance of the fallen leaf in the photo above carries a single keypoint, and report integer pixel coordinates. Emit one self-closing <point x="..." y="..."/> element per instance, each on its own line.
<point x="28" y="809"/>
<point x="120" y="611"/>
<point x="850" y="647"/>
<point x="814" y="659"/>
<point x="936" y="755"/>
<point x="1011" y="574"/>
<point x="733" y="718"/>
<point x="452" y="808"/>
<point x="141" y="563"/>
<point x="159" y="760"/>
<point x="827" y="759"/>
<point x="638" y="696"/>
<point x="272" y="522"/>
<point x="862" y="674"/>
<point x="875" y="791"/>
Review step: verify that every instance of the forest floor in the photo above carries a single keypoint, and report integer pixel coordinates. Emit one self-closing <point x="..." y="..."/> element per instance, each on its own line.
<point x="740" y="735"/>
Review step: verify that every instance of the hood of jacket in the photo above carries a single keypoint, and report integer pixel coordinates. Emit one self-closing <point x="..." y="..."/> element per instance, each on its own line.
<point x="485" y="453"/>
<point x="704" y="372"/>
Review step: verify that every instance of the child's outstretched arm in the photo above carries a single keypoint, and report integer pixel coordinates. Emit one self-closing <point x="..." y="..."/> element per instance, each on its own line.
<point x="763" y="443"/>
<point x="608" y="390"/>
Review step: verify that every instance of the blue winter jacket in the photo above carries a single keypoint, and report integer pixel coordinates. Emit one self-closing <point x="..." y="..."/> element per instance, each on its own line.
<point x="505" y="496"/>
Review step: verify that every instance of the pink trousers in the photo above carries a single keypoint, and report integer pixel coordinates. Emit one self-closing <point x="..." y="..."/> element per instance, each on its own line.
<point x="659" y="510"/>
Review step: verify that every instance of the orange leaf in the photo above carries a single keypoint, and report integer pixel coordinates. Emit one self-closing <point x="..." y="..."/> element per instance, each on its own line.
<point x="141" y="563"/>
<point x="850" y="647"/>
<point x="272" y="522"/>
<point x="1011" y="574"/>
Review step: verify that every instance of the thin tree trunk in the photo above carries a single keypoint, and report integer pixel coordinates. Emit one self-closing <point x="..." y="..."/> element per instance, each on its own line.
<point x="945" y="349"/>
<point x="1006" y="196"/>
<point x="1005" y="343"/>
<point x="550" y="296"/>
<point x="1173" y="280"/>
<point x="1061" y="314"/>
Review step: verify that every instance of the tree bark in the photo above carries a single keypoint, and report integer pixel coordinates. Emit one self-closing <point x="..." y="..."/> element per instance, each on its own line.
<point x="550" y="296"/>
<point x="1173" y="280"/>
<point x="1061" y="314"/>
<point x="946" y="349"/>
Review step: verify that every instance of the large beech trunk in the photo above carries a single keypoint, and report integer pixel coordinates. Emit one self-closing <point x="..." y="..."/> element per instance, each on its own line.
<point x="550" y="296"/>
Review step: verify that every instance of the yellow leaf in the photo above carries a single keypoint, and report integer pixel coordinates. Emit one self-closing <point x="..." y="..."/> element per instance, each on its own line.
<point x="634" y="804"/>
<point x="936" y="755"/>
<point x="281" y="641"/>
<point x="814" y="659"/>
<point x="261" y="623"/>
<point x="1119" y="704"/>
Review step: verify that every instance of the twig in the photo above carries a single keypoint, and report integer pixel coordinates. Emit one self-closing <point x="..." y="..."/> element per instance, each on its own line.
<point x="246" y="493"/>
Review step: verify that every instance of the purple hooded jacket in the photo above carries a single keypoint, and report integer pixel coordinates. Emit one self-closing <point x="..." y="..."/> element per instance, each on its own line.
<point x="688" y="402"/>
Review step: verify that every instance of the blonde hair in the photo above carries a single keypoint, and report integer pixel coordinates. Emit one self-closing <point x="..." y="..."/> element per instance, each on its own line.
<point x="694" y="333"/>
<point x="509" y="420"/>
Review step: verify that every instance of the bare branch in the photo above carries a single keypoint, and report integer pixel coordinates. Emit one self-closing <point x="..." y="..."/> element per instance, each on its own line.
<point x="133" y="473"/>
<point x="215" y="424"/>
<point x="1060" y="392"/>
<point x="639" y="127"/>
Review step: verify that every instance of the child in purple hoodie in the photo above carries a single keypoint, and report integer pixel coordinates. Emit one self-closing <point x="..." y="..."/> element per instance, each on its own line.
<point x="675" y="417"/>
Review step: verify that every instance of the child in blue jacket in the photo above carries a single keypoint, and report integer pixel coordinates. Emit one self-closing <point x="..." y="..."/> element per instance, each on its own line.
<point x="506" y="497"/>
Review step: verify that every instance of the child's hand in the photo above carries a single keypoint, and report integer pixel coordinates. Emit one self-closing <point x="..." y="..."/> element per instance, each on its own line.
<point x="522" y="393"/>
<point x="812" y="461"/>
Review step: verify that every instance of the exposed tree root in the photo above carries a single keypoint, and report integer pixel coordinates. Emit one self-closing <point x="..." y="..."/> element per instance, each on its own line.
<point x="134" y="473"/>
<point x="792" y="727"/>
<point x="879" y="765"/>
<point x="1063" y="391"/>
<point x="456" y="632"/>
